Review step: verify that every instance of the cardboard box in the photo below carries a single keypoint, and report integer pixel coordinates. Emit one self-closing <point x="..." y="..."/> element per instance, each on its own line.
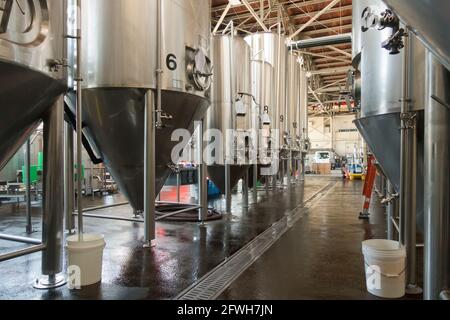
<point x="322" y="168"/>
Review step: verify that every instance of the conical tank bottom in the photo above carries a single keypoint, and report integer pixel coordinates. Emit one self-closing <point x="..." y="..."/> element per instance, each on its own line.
<point x="25" y="96"/>
<point x="382" y="135"/>
<point x="217" y="175"/>
<point x="113" y="121"/>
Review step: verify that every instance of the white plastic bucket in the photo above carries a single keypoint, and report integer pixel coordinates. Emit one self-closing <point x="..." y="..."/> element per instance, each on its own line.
<point x="384" y="264"/>
<point x="86" y="258"/>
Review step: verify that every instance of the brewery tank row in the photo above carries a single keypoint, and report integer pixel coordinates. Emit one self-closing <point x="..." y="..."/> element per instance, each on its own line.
<point x="137" y="57"/>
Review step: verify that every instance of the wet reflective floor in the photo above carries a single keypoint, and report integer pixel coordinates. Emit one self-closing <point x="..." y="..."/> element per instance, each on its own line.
<point x="184" y="252"/>
<point x="320" y="257"/>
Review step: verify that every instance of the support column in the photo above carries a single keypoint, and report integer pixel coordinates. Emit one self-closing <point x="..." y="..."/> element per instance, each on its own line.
<point x="69" y="191"/>
<point x="303" y="172"/>
<point x="203" y="174"/>
<point x="149" y="172"/>
<point x="275" y="178"/>
<point x="29" y="227"/>
<point x="436" y="180"/>
<point x="408" y="176"/>
<point x="53" y="202"/>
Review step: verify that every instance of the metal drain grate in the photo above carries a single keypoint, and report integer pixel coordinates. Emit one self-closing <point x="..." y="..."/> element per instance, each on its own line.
<point x="213" y="284"/>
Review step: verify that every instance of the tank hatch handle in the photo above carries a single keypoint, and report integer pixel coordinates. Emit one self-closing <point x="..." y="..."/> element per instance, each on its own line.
<point x="199" y="68"/>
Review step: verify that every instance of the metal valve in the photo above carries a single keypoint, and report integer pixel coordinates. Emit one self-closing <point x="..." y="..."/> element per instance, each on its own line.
<point x="54" y="65"/>
<point x="390" y="198"/>
<point x="387" y="19"/>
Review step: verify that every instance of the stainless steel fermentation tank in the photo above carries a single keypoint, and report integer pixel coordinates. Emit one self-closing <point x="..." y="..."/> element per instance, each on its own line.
<point x="296" y="103"/>
<point x="32" y="80"/>
<point x="28" y="83"/>
<point x="120" y="64"/>
<point x="232" y="108"/>
<point x="392" y="99"/>
<point x="269" y="59"/>
<point x="303" y="113"/>
<point x="382" y="89"/>
<point x="430" y="21"/>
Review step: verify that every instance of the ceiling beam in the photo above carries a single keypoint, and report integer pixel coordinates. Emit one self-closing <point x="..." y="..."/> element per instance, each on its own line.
<point x="317" y="16"/>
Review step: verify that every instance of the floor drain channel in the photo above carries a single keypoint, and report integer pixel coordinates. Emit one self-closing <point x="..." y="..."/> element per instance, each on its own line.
<point x="213" y="284"/>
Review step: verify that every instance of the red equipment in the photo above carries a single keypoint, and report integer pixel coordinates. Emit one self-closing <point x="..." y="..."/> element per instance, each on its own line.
<point x="368" y="186"/>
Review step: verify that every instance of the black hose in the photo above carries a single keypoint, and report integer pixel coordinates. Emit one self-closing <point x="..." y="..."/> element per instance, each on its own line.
<point x="71" y="119"/>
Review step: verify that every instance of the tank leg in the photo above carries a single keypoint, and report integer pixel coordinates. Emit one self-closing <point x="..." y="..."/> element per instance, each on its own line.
<point x="228" y="187"/>
<point x="149" y="172"/>
<point x="53" y="205"/>
<point x="245" y="190"/>
<point x="29" y="227"/>
<point x="69" y="191"/>
<point x="203" y="183"/>
<point x="255" y="182"/>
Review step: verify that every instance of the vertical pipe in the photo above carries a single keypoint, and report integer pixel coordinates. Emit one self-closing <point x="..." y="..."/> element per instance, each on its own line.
<point x="79" y="116"/>
<point x="436" y="182"/>
<point x="149" y="171"/>
<point x="259" y="113"/>
<point x="159" y="70"/>
<point x="279" y="127"/>
<point x="69" y="194"/>
<point x="29" y="227"/>
<point x="390" y="212"/>
<point x="53" y="219"/>
<point x="203" y="172"/>
<point x="408" y="172"/>
<point x="305" y="122"/>
<point x="232" y="121"/>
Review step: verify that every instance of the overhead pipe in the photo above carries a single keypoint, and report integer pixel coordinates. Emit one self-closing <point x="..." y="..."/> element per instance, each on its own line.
<point x="322" y="41"/>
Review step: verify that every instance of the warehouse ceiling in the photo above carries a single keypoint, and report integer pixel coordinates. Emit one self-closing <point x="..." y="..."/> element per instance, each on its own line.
<point x="314" y="19"/>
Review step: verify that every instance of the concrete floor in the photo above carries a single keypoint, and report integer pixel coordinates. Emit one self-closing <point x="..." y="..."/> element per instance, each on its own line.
<point x="318" y="258"/>
<point x="184" y="253"/>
